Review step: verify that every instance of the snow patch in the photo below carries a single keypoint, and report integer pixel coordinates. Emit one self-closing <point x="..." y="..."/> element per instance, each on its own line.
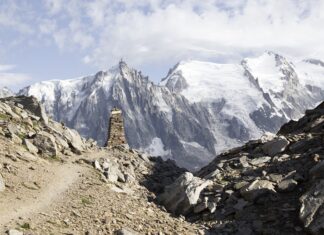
<point x="156" y="148"/>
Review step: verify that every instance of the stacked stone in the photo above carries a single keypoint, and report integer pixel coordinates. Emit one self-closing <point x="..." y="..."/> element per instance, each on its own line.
<point x="116" y="132"/>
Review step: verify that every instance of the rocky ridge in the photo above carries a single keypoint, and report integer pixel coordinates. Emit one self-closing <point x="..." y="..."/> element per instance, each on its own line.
<point x="273" y="185"/>
<point x="24" y="121"/>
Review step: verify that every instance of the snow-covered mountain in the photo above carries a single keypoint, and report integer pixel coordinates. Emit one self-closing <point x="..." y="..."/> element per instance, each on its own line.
<point x="5" y="92"/>
<point x="198" y="110"/>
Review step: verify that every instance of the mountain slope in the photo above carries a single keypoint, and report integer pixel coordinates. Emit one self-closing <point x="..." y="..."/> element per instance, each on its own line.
<point x="5" y="92"/>
<point x="154" y="118"/>
<point x="197" y="111"/>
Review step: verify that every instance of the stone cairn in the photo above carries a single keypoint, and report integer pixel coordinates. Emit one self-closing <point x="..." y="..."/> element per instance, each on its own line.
<point x="116" y="132"/>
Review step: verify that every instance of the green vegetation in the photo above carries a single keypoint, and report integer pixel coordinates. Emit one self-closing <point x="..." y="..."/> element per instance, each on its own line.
<point x="4" y="117"/>
<point x="25" y="226"/>
<point x="86" y="201"/>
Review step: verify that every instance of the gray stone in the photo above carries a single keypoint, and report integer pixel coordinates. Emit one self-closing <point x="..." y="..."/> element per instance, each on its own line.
<point x="301" y="146"/>
<point x="266" y="137"/>
<point x="287" y="185"/>
<point x="256" y="189"/>
<point x="31" y="148"/>
<point x="14" y="232"/>
<point x="75" y="140"/>
<point x="241" y="203"/>
<point x="181" y="196"/>
<point x="211" y="206"/>
<point x="317" y="171"/>
<point x="244" y="161"/>
<point x="126" y="231"/>
<point x="275" y="177"/>
<point x="239" y="185"/>
<point x="97" y="166"/>
<point x="61" y="142"/>
<point x="259" y="161"/>
<point x="311" y="210"/>
<point x="45" y="142"/>
<point x="200" y="207"/>
<point x="275" y="146"/>
<point x="112" y="171"/>
<point x="2" y="184"/>
<point x="213" y="174"/>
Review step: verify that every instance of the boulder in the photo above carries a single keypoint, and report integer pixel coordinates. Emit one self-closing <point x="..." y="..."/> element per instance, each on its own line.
<point x="181" y="196"/>
<point x="14" y="232"/>
<point x="317" y="171"/>
<point x="45" y="142"/>
<point x="287" y="185"/>
<point x="75" y="140"/>
<point x="2" y="184"/>
<point x="266" y="137"/>
<point x="112" y="172"/>
<point x="275" y="146"/>
<point x="260" y="161"/>
<point x="256" y="189"/>
<point x="31" y="148"/>
<point x="312" y="209"/>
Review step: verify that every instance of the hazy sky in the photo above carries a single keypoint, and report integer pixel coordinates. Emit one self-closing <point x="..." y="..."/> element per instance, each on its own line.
<point x="60" y="39"/>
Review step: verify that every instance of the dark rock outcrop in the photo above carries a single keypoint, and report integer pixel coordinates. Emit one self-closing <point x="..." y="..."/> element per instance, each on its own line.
<point x="269" y="186"/>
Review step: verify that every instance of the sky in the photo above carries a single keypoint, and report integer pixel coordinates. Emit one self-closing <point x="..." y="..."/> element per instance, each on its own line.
<point x="62" y="39"/>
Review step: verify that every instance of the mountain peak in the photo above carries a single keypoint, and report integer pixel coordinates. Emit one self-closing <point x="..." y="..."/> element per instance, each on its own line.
<point x="122" y="64"/>
<point x="5" y="92"/>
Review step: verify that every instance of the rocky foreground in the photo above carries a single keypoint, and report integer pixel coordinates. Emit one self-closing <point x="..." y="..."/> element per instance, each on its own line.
<point x="274" y="185"/>
<point x="52" y="181"/>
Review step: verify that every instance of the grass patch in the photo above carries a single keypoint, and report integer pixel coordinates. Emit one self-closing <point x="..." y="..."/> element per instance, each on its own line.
<point x="4" y="117"/>
<point x="25" y="226"/>
<point x="85" y="201"/>
<point x="21" y="136"/>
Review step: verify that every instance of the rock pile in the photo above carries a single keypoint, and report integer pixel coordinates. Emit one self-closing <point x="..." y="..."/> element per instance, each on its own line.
<point x="23" y="121"/>
<point x="274" y="185"/>
<point x="129" y="167"/>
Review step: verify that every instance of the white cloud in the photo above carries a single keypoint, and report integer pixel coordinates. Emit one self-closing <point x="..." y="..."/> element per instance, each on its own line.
<point x="12" y="79"/>
<point x="156" y="31"/>
<point x="12" y="16"/>
<point x="6" y="67"/>
<point x="164" y="31"/>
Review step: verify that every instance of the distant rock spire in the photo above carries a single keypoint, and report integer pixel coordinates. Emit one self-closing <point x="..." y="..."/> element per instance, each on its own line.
<point x="122" y="63"/>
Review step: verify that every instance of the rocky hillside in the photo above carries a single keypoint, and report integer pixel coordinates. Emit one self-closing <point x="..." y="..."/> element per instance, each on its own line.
<point x="199" y="110"/>
<point x="24" y="121"/>
<point x="273" y="185"/>
<point x="52" y="181"/>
